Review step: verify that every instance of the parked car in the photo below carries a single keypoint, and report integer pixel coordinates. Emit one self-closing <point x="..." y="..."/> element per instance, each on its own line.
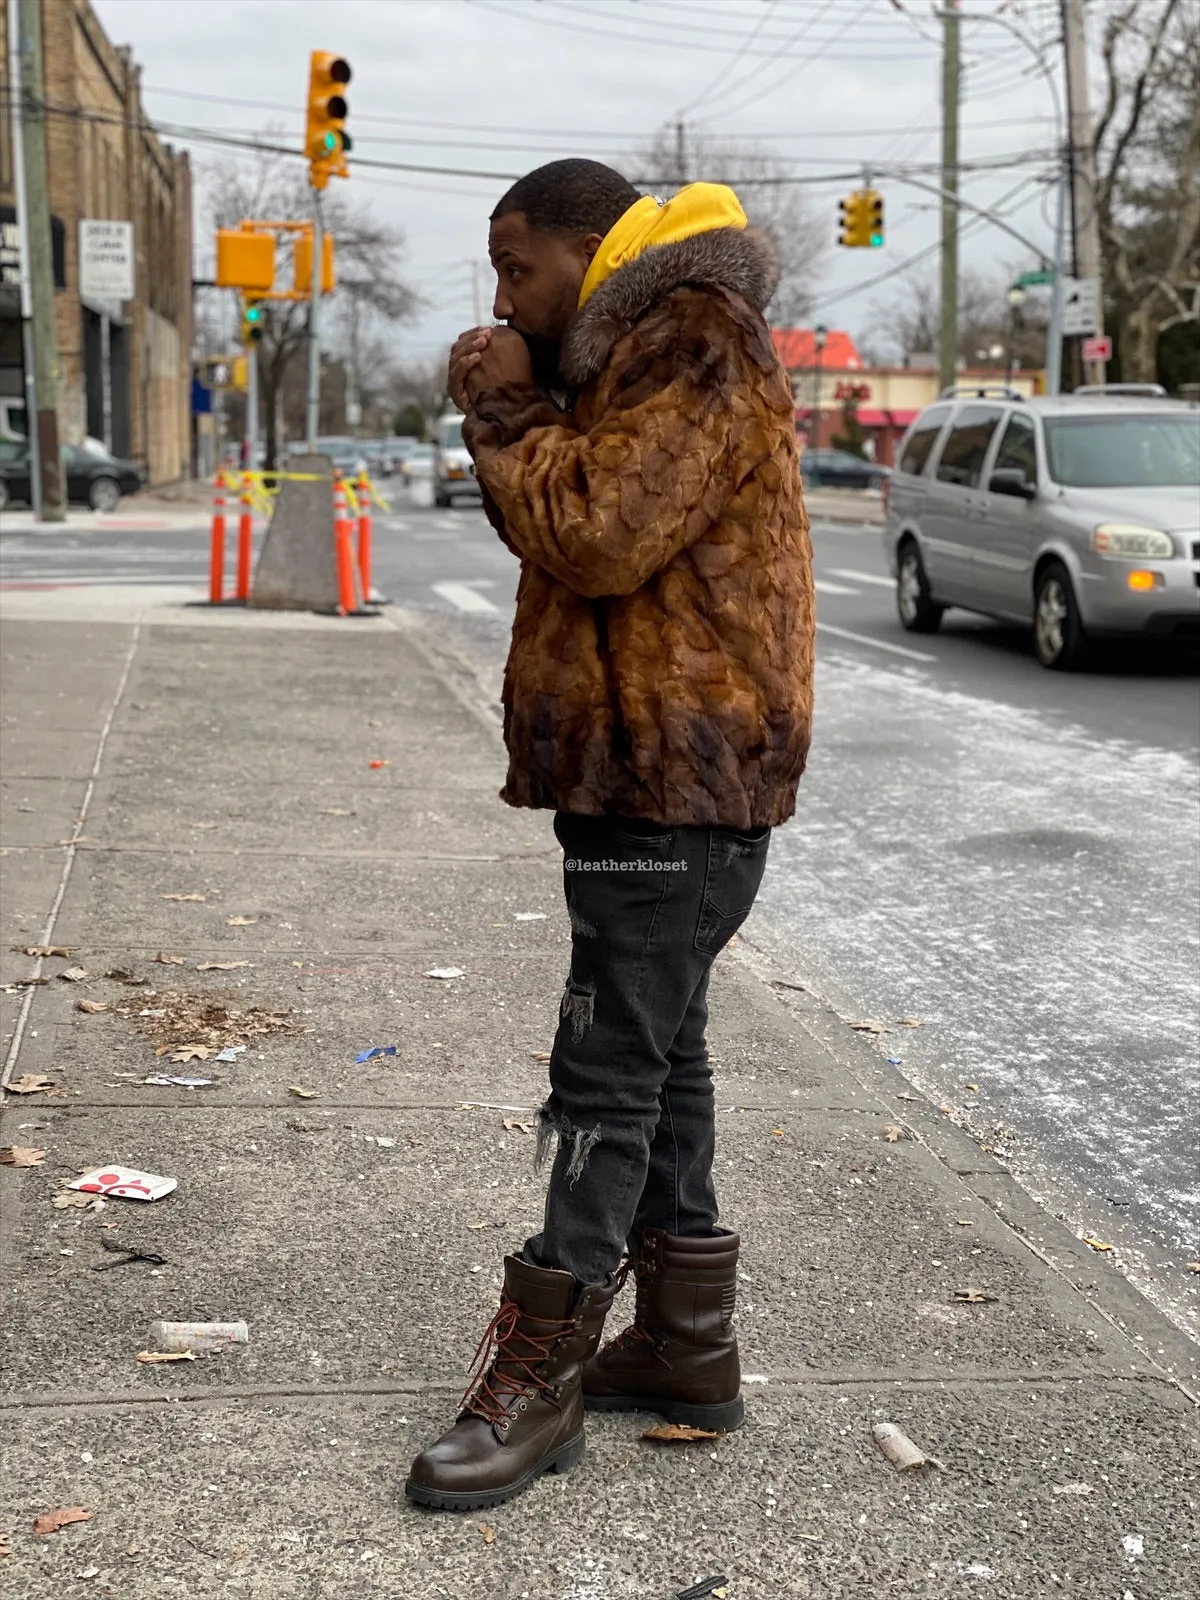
<point x="1078" y="515"/>
<point x="93" y="476"/>
<point x="839" y="469"/>
<point x="454" y="471"/>
<point x="418" y="463"/>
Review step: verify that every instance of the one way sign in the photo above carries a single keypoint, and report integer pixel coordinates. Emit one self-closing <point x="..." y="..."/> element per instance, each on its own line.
<point x="1081" y="302"/>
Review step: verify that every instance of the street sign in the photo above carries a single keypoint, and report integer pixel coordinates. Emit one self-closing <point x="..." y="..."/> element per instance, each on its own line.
<point x="1098" y="349"/>
<point x="105" y="260"/>
<point x="1081" y="302"/>
<point x="1034" y="280"/>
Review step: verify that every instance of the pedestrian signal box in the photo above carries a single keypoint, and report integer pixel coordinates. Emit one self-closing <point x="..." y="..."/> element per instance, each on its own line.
<point x="302" y="254"/>
<point x="245" y="260"/>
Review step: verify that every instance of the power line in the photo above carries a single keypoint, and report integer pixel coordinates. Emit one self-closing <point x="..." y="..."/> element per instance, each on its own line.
<point x="733" y="60"/>
<point x="762" y="93"/>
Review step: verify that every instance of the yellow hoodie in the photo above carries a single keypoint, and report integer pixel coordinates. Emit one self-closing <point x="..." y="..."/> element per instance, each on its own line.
<point x="700" y="208"/>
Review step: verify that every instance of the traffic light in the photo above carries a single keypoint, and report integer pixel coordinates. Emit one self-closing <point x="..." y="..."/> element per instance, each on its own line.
<point x="252" y="323"/>
<point x="326" y="140"/>
<point x="861" y="220"/>
<point x="874" y="219"/>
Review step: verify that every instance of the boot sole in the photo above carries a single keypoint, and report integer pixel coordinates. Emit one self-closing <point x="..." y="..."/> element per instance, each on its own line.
<point x="561" y="1460"/>
<point x="722" y="1418"/>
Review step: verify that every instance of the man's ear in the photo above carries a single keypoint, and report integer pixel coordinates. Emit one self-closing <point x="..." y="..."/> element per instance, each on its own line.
<point x="591" y="244"/>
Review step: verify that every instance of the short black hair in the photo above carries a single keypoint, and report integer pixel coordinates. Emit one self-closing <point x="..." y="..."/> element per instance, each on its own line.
<point x="572" y="197"/>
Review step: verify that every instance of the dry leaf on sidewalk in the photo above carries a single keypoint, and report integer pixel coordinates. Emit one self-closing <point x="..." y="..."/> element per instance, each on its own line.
<point x="155" y="1358"/>
<point x="190" y="1052"/>
<point x="168" y="961"/>
<point x="303" y="1094"/>
<point x="204" y="825"/>
<point x="199" y="898"/>
<point x="240" y="922"/>
<point x="60" y="1517"/>
<point x="21" y="1155"/>
<point x="221" y="966"/>
<point x="893" y="1133"/>
<point x="514" y="1125"/>
<point x="1193" y="1266"/>
<point x="489" y="1534"/>
<point x="1095" y="1244"/>
<point x="45" y="949"/>
<point x="74" y="1200"/>
<point x="75" y="974"/>
<point x="677" y="1433"/>
<point x="30" y="1083"/>
<point x="541" y="1055"/>
<point x="910" y="1022"/>
<point x="336" y="811"/>
<point x="92" y="1007"/>
<point x="975" y="1297"/>
<point x="869" y="1025"/>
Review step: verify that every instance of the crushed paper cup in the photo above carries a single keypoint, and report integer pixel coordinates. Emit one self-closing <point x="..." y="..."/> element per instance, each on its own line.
<point x="124" y="1183"/>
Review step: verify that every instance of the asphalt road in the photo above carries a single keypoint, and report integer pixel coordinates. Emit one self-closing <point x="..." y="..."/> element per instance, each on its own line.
<point x="1010" y="856"/>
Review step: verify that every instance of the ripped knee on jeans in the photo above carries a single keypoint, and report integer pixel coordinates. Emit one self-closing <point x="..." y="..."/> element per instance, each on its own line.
<point x="579" y="1141"/>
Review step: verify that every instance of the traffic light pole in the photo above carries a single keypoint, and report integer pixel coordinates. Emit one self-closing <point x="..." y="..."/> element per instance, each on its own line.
<point x="948" y="336"/>
<point x="252" y="408"/>
<point x="313" y="408"/>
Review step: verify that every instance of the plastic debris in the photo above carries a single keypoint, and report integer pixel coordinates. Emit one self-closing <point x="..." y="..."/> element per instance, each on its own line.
<point x="706" y="1586"/>
<point x="899" y="1448"/>
<point x="375" y="1050"/>
<point x="977" y="1569"/>
<point x="230" y="1053"/>
<point x="1072" y="1488"/>
<point x="895" y="1061"/>
<point x="1134" y="1546"/>
<point x="197" y="1337"/>
<point x="529" y="916"/>
<point x="376" y="765"/>
<point x="444" y="972"/>
<point x="75" y="974"/>
<point x="161" y="1081"/>
<point x="124" y="1183"/>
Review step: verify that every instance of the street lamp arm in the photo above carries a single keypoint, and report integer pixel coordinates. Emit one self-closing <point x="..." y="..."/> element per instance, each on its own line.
<point x="1010" y="27"/>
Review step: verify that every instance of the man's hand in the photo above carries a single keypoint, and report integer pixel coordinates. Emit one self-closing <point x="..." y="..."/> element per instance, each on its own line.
<point x="483" y="358"/>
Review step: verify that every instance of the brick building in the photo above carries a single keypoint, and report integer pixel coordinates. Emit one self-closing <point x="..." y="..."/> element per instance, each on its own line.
<point x="124" y="366"/>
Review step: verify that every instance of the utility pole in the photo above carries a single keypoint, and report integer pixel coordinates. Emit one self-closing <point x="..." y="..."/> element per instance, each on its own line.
<point x="353" y="400"/>
<point x="948" y="340"/>
<point x="681" y="176"/>
<point x="252" y="408"/>
<point x="476" y="292"/>
<point x="1085" y="212"/>
<point x="36" y="244"/>
<point x="313" y="408"/>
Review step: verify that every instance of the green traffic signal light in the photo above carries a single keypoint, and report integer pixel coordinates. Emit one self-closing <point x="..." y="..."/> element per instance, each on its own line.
<point x="253" y="313"/>
<point x="876" y="240"/>
<point x="330" y="142"/>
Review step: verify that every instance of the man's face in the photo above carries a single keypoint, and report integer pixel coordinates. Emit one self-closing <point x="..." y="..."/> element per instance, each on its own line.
<point x="538" y="279"/>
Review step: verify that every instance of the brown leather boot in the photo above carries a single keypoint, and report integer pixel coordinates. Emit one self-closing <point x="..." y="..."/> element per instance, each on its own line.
<point x="524" y="1415"/>
<point x="680" y="1356"/>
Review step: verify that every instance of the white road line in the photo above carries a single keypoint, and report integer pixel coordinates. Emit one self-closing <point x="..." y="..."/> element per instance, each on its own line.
<point x="863" y="577"/>
<point x="465" y="598"/>
<point x="876" y="644"/>
<point x="823" y="586"/>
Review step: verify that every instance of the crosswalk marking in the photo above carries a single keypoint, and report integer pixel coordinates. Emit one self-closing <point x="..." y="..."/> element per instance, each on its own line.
<point x="823" y="586"/>
<point x="863" y="577"/>
<point x="876" y="644"/>
<point x="463" y="597"/>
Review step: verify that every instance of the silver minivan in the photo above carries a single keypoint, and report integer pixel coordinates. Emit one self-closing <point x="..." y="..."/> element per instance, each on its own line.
<point x="1079" y="515"/>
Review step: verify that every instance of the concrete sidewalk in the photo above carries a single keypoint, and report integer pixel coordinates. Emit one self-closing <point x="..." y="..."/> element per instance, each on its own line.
<point x="360" y="1233"/>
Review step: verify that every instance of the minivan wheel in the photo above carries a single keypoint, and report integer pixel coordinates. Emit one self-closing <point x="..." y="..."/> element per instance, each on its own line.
<point x="1058" y="637"/>
<point x="104" y="494"/>
<point x="919" y="612"/>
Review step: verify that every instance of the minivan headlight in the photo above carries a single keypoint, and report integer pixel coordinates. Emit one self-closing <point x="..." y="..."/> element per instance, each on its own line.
<point x="1132" y="539"/>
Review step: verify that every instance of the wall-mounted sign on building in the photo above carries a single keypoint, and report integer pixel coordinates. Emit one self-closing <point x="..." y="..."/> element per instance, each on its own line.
<point x="105" y="260"/>
<point x="10" y="250"/>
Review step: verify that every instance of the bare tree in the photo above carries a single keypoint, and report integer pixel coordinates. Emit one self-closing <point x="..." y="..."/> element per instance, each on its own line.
<point x="908" y="322"/>
<point x="1148" y="178"/>
<point x="368" y="258"/>
<point x="771" y="203"/>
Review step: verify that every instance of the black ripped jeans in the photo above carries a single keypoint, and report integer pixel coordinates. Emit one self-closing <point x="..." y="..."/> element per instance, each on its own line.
<point x="631" y="1095"/>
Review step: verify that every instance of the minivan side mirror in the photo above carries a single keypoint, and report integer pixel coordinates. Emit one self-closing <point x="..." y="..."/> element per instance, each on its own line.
<point x="1011" y="480"/>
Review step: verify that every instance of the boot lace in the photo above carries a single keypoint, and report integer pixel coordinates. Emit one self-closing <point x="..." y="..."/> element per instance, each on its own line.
<point x="495" y="1391"/>
<point x="636" y="1332"/>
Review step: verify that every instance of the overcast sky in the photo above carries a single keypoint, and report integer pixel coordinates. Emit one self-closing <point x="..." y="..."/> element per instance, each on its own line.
<point x="499" y="86"/>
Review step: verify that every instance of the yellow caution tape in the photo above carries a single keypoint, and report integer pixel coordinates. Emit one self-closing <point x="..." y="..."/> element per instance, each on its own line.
<point x="264" y="486"/>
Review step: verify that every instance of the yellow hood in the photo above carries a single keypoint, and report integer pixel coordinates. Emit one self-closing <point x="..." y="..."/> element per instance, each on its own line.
<point x="700" y="208"/>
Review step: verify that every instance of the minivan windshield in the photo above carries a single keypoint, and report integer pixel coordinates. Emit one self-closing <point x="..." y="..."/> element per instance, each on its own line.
<point x="1134" y="452"/>
<point x="451" y="433"/>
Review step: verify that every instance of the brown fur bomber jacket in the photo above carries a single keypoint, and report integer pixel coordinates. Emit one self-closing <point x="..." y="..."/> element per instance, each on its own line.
<point x="661" y="663"/>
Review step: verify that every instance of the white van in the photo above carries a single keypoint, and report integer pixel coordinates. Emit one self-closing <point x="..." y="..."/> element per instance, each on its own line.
<point x="453" y="469"/>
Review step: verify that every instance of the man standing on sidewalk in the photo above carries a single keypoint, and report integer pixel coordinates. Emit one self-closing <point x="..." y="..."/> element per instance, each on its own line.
<point x="633" y="433"/>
